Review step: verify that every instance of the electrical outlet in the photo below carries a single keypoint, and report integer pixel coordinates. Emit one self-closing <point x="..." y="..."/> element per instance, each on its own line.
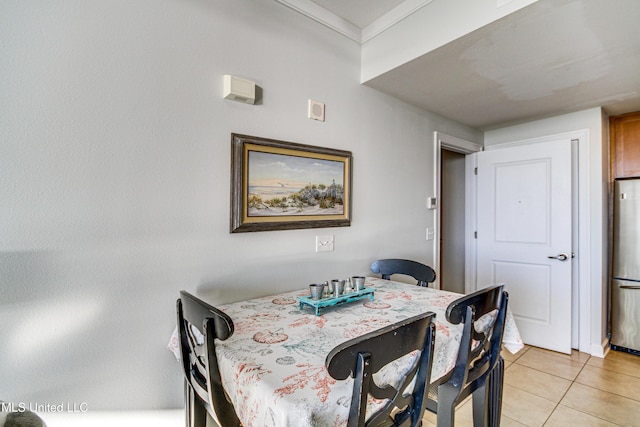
<point x="324" y="243"/>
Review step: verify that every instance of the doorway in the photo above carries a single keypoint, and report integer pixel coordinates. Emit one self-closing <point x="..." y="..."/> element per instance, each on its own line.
<point x="582" y="312"/>
<point x="452" y="221"/>
<point x="455" y="267"/>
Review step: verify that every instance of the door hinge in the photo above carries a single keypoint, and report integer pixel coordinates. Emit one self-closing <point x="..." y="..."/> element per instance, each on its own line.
<point x="475" y="234"/>
<point x="475" y="171"/>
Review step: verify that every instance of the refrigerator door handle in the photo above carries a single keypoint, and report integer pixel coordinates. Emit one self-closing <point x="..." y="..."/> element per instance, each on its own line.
<point x="629" y="287"/>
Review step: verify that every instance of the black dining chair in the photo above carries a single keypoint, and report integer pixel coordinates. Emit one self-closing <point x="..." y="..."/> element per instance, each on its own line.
<point x="199" y="326"/>
<point x="479" y="368"/>
<point x="387" y="267"/>
<point x="363" y="356"/>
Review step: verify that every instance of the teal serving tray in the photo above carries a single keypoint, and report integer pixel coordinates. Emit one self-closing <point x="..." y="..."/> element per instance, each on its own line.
<point x="317" y="304"/>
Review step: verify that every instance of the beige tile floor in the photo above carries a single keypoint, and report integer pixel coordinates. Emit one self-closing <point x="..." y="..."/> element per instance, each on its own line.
<point x="544" y="388"/>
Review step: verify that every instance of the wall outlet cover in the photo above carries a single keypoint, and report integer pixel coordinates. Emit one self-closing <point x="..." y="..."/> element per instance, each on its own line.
<point x="325" y="243"/>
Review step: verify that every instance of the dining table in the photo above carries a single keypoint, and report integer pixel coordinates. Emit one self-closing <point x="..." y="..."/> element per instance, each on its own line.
<point x="273" y="366"/>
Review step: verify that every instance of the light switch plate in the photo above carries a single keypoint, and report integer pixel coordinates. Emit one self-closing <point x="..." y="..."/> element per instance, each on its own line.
<point x="432" y="203"/>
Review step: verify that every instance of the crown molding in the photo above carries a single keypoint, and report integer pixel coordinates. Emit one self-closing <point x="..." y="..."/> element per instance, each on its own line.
<point x="324" y="17"/>
<point x="391" y="18"/>
<point x="346" y="28"/>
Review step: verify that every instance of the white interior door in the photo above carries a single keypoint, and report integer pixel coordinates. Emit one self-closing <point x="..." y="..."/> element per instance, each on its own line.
<point x="525" y="236"/>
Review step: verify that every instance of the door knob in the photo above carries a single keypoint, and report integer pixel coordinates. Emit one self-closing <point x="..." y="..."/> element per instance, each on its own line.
<point x="560" y="257"/>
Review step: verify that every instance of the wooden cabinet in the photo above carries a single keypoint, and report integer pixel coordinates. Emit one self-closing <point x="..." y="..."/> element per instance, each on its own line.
<point x="625" y="145"/>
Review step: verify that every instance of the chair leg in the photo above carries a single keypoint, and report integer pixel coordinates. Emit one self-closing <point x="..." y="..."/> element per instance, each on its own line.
<point x="196" y="413"/>
<point x="446" y="415"/>
<point x="495" y="383"/>
<point x="480" y="407"/>
<point x="446" y="406"/>
<point x="187" y="404"/>
<point x="487" y="399"/>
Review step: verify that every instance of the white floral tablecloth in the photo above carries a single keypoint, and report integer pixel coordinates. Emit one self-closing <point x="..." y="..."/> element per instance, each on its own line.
<point x="273" y="365"/>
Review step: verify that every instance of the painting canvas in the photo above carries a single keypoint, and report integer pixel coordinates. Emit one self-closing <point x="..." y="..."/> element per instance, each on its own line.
<point x="292" y="185"/>
<point x="284" y="185"/>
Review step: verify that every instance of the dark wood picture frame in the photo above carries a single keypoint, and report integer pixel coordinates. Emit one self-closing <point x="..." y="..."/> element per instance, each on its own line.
<point x="279" y="185"/>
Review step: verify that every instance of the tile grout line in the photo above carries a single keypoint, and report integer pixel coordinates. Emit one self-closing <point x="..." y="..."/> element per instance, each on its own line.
<point x="565" y="393"/>
<point x="624" y="374"/>
<point x="582" y="367"/>
<point x="587" y="413"/>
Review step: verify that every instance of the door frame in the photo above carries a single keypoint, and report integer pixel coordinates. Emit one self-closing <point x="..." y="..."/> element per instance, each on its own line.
<point x="458" y="145"/>
<point x="581" y="313"/>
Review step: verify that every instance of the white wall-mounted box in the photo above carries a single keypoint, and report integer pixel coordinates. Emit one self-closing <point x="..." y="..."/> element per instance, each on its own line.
<point x="315" y="110"/>
<point x="239" y="89"/>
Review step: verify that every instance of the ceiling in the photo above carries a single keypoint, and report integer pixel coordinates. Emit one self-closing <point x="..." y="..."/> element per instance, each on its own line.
<point x="550" y="58"/>
<point x="359" y="12"/>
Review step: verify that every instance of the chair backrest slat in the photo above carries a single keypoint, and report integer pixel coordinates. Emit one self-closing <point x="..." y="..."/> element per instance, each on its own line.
<point x="388" y="267"/>
<point x="363" y="356"/>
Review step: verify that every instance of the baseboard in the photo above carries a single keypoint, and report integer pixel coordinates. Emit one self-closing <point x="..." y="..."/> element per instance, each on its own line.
<point x="151" y="418"/>
<point x="600" y="350"/>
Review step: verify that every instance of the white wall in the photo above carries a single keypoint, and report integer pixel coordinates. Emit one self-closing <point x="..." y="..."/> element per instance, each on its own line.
<point x="114" y="180"/>
<point x="596" y="163"/>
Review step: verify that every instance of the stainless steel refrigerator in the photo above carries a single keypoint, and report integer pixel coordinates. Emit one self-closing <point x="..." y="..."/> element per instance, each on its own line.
<point x="625" y="283"/>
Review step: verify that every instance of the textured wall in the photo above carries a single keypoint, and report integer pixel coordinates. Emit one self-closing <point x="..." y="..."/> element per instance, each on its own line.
<point x="114" y="180"/>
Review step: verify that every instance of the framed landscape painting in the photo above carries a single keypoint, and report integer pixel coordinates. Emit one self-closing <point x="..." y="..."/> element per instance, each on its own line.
<point x="278" y="185"/>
